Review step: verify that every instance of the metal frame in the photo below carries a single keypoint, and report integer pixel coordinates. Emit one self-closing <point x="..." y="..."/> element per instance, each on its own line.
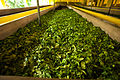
<point x="38" y="12"/>
<point x="54" y="5"/>
<point x="110" y="7"/>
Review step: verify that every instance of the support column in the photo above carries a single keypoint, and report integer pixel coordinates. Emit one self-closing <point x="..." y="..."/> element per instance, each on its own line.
<point x="54" y="5"/>
<point x="101" y="3"/>
<point x="109" y="3"/>
<point x="85" y="2"/>
<point x="116" y="1"/>
<point x="38" y="12"/>
<point x="98" y="3"/>
<point x="91" y="3"/>
<point x="88" y="2"/>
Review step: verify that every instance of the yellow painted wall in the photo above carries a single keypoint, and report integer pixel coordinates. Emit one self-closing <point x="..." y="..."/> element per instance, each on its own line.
<point x="82" y="1"/>
<point x="98" y="2"/>
<point x="114" y="1"/>
<point x="69" y="0"/>
<point x="108" y="2"/>
<point x="105" y="1"/>
<point x="118" y="2"/>
<point x="101" y="3"/>
<point x="88" y="2"/>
